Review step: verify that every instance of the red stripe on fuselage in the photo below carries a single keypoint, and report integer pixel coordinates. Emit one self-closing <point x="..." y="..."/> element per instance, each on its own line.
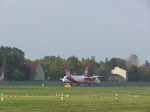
<point x="90" y="79"/>
<point x="85" y="80"/>
<point x="72" y="80"/>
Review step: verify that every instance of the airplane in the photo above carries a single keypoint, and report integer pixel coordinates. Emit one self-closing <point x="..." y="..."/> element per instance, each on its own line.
<point x="79" y="79"/>
<point x="2" y="75"/>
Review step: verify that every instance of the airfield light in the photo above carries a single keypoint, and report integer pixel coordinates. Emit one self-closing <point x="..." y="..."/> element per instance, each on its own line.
<point x="2" y="99"/>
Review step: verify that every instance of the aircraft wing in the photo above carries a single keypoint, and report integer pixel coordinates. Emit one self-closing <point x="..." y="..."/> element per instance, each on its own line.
<point x="96" y="76"/>
<point x="92" y="77"/>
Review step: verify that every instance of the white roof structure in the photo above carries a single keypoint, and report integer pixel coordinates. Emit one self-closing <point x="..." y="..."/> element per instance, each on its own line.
<point x="120" y="72"/>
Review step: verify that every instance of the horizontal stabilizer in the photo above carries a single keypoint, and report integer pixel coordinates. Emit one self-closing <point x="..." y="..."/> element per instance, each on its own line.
<point x="60" y="79"/>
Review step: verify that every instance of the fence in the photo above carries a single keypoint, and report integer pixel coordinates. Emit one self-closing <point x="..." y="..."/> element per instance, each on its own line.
<point x="31" y="83"/>
<point x="59" y="83"/>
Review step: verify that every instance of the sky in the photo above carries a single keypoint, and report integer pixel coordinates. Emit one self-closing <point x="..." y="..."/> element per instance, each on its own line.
<point x="80" y="28"/>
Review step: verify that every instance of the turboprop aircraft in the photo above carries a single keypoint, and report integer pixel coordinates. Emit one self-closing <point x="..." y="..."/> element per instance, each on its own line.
<point x="2" y="76"/>
<point x="79" y="79"/>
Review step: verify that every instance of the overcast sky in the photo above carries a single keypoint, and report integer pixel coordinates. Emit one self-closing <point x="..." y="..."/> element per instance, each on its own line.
<point x="83" y="28"/>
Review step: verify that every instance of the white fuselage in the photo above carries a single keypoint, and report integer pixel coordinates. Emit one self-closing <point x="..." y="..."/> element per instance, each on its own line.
<point x="80" y="79"/>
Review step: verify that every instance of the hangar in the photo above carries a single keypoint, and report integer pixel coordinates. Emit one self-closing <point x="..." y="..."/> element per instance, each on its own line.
<point x="118" y="75"/>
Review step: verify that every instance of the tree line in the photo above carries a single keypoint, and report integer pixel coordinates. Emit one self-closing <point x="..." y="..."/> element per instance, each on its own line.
<point x="11" y="60"/>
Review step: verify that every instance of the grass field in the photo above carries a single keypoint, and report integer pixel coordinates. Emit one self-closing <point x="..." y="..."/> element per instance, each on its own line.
<point x="81" y="99"/>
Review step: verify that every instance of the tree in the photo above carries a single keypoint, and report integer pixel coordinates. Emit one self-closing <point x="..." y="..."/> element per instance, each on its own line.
<point x="132" y="60"/>
<point x="17" y="75"/>
<point x="12" y="57"/>
<point x="75" y="63"/>
<point x="145" y="73"/>
<point x="26" y="71"/>
<point x="91" y="64"/>
<point x="133" y="73"/>
<point x="117" y="62"/>
<point x="147" y="63"/>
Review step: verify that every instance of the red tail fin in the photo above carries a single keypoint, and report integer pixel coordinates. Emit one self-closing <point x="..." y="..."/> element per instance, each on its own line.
<point x="2" y="76"/>
<point x="67" y="71"/>
<point x="86" y="71"/>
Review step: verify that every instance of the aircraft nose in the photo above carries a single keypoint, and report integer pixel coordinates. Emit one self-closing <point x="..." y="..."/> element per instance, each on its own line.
<point x="62" y="79"/>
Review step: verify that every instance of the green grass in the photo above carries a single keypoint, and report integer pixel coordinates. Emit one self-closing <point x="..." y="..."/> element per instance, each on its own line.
<point x="82" y="99"/>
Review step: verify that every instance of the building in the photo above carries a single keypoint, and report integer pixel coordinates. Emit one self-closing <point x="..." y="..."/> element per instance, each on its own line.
<point x="118" y="75"/>
<point x="37" y="72"/>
